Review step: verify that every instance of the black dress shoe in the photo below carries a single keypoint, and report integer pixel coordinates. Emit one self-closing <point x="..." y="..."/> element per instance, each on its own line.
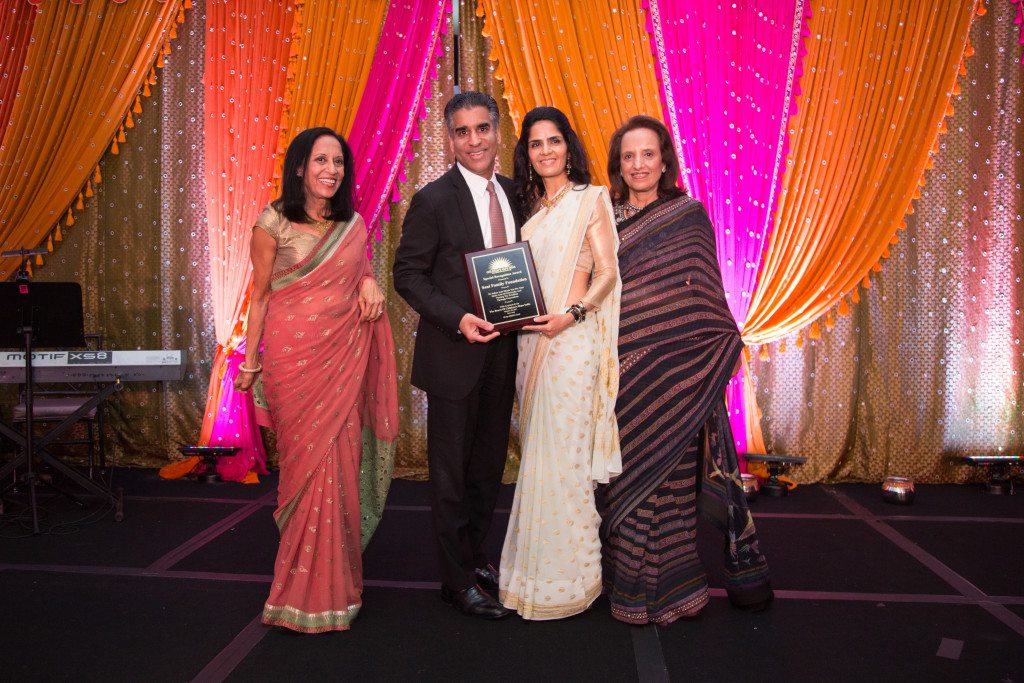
<point x="474" y="602"/>
<point x="487" y="576"/>
<point x="759" y="606"/>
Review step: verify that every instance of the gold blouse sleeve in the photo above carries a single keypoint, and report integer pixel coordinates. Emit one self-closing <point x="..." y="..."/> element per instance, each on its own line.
<point x="270" y="220"/>
<point x="602" y="241"/>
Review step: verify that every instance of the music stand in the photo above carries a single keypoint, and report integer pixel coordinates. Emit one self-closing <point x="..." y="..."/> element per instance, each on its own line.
<point x="45" y="314"/>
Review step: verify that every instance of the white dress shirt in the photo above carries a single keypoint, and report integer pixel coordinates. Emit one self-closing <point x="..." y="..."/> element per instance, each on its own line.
<point x="478" y="188"/>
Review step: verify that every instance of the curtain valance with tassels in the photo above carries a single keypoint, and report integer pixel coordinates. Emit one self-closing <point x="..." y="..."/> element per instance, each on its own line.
<point x="71" y="104"/>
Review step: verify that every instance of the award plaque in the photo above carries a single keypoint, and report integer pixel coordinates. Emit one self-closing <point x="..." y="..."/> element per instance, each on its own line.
<point x="504" y="287"/>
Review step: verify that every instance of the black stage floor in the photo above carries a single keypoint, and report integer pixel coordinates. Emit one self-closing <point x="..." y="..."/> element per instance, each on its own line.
<point x="864" y="591"/>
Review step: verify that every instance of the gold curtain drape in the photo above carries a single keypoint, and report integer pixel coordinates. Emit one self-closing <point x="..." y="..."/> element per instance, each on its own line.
<point x="84" y="69"/>
<point x="877" y="82"/>
<point x="332" y="50"/>
<point x="591" y="60"/>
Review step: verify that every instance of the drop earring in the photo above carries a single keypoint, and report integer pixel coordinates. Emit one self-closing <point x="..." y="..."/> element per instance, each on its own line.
<point x="568" y="166"/>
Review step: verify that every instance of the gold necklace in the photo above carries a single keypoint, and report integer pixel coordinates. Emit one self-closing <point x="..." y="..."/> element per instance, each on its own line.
<point x="550" y="203"/>
<point x="321" y="227"/>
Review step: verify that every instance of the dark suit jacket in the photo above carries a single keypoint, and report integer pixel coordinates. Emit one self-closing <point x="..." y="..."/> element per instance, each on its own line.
<point x="429" y="272"/>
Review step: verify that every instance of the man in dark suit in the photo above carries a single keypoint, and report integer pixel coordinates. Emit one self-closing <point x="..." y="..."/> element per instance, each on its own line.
<point x="465" y="367"/>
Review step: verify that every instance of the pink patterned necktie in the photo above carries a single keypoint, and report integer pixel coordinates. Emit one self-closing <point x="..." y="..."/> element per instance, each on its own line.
<point x="497" y="219"/>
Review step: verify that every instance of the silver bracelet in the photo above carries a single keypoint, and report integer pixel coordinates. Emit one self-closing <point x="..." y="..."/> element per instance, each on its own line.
<point x="578" y="312"/>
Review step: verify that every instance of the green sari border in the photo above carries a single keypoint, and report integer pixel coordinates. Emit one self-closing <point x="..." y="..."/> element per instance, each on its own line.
<point x="306" y="622"/>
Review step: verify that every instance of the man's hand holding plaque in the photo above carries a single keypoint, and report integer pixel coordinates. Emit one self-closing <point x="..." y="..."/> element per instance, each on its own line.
<point x="504" y="287"/>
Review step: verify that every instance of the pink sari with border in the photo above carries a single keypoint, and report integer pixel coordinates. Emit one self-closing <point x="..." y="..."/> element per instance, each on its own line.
<point x="330" y="386"/>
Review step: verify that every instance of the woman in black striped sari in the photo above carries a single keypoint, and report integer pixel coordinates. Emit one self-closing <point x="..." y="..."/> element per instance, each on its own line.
<point x="678" y="347"/>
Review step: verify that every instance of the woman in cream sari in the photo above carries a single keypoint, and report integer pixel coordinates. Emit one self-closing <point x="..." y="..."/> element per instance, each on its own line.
<point x="567" y="378"/>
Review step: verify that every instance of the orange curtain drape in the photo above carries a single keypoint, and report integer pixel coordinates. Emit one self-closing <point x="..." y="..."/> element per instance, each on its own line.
<point x="272" y="70"/>
<point x="84" y="69"/>
<point x="246" y="65"/>
<point x="591" y="60"/>
<point x="877" y="83"/>
<point x="332" y="50"/>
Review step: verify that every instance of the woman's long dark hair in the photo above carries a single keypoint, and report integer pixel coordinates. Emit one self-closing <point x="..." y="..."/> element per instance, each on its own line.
<point x="292" y="202"/>
<point x="529" y="191"/>
<point x="668" y="185"/>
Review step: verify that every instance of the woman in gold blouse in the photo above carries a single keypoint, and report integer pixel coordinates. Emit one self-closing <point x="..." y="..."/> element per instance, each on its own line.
<point x="567" y="378"/>
<point x="328" y="376"/>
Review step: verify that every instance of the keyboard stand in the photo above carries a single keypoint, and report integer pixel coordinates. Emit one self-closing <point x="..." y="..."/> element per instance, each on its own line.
<point x="40" y="452"/>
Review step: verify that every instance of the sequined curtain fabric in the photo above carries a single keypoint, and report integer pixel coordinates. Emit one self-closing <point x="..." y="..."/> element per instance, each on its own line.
<point x="245" y="68"/>
<point x="728" y="110"/>
<point x="83" y="69"/>
<point x="15" y="33"/>
<point x="391" y="106"/>
<point x="246" y="59"/>
<point x="332" y="48"/>
<point x="139" y="250"/>
<point x="431" y="158"/>
<point x="876" y="86"/>
<point x="591" y="60"/>
<point x="930" y="363"/>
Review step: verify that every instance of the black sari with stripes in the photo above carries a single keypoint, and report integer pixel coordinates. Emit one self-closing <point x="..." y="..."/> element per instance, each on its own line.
<point x="678" y="345"/>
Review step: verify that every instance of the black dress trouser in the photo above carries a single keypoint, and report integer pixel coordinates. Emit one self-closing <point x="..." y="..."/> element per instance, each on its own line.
<point x="467" y="444"/>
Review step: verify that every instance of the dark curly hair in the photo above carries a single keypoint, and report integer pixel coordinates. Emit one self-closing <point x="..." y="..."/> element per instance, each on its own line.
<point x="668" y="185"/>
<point x="529" y="191"/>
<point x="292" y="202"/>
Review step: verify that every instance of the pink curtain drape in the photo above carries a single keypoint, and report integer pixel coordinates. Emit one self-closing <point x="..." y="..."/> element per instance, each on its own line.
<point x="393" y="102"/>
<point x="1018" y="19"/>
<point x="729" y="77"/>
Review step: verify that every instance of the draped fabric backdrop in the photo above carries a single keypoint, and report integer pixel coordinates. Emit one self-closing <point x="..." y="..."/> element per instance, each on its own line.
<point x="83" y="71"/>
<point x="319" y="92"/>
<point x="15" y="32"/>
<point x="858" y="122"/>
<point x="729" y="77"/>
<point x="876" y="88"/>
<point x="139" y="249"/>
<point x="930" y="363"/>
<point x="587" y="59"/>
<point x="246" y="60"/>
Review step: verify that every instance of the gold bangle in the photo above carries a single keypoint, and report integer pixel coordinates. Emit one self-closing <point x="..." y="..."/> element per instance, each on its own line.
<point x="258" y="368"/>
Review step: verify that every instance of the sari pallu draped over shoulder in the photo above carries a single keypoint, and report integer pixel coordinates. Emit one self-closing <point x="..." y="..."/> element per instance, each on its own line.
<point x="567" y="385"/>
<point x="678" y="344"/>
<point x="330" y="385"/>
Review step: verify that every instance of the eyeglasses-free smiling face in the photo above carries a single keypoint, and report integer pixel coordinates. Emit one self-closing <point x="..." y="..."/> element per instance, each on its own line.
<point x="547" y="149"/>
<point x="474" y="140"/>
<point x="324" y="171"/>
<point x="640" y="161"/>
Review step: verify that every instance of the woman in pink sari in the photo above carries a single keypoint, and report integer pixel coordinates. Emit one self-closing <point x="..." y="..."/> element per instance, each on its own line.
<point x="327" y="375"/>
